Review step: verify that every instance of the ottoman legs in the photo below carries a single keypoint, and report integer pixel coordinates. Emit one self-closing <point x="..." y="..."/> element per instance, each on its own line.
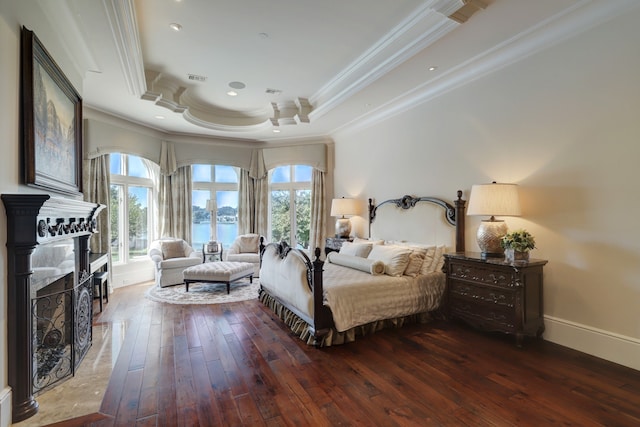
<point x="186" y="283"/>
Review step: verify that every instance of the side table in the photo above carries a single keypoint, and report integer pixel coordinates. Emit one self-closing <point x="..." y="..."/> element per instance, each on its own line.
<point x="333" y="244"/>
<point x="493" y="295"/>
<point x="211" y="256"/>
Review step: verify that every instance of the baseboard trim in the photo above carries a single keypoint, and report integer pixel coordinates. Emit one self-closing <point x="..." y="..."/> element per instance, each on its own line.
<point x="5" y="407"/>
<point x="606" y="345"/>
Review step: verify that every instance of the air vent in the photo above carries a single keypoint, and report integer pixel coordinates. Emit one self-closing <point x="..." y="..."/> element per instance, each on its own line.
<point x="197" y="77"/>
<point x="273" y="91"/>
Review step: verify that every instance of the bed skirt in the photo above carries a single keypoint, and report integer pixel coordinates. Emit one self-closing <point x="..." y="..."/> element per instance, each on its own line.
<point x="301" y="328"/>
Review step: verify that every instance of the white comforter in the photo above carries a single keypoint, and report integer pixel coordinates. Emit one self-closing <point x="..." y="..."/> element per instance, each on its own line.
<point x="356" y="298"/>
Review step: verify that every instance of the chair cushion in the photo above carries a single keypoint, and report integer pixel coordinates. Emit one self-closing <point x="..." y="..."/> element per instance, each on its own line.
<point x="172" y="249"/>
<point x="249" y="243"/>
<point x="249" y="257"/>
<point x="179" y="262"/>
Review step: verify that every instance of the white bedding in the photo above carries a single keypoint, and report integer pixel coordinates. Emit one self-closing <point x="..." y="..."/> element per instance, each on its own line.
<point x="356" y="298"/>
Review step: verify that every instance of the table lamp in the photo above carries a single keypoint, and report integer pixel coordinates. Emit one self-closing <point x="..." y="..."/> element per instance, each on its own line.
<point x="340" y="208"/>
<point x="493" y="200"/>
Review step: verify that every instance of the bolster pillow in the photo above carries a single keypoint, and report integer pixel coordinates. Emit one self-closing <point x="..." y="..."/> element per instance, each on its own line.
<point x="363" y="264"/>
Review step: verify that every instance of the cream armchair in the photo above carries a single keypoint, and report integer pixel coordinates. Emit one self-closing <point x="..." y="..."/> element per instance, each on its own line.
<point x="170" y="257"/>
<point x="245" y="248"/>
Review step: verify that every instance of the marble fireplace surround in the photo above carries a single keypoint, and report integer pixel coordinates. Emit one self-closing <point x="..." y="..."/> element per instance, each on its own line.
<point x="32" y="220"/>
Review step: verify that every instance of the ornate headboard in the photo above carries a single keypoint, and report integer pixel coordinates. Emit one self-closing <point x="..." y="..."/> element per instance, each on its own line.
<point x="425" y="224"/>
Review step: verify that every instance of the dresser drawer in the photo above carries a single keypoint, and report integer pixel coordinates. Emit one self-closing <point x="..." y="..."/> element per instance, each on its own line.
<point x="485" y="316"/>
<point x="505" y="278"/>
<point x="482" y="294"/>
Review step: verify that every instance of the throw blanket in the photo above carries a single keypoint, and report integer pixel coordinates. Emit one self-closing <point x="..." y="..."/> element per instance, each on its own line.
<point x="357" y="298"/>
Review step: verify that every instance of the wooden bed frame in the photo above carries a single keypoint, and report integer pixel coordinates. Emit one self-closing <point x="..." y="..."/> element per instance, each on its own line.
<point x="322" y="320"/>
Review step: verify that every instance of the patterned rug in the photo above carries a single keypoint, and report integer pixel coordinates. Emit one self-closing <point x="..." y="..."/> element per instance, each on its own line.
<point x="205" y="293"/>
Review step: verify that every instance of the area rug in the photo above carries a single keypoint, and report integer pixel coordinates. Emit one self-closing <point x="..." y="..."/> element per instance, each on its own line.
<point x="205" y="293"/>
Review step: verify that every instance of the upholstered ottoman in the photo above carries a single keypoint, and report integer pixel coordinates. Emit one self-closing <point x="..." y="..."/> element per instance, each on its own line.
<point x="218" y="272"/>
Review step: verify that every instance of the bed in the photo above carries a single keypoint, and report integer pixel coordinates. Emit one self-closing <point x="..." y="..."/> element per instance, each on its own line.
<point x="398" y="280"/>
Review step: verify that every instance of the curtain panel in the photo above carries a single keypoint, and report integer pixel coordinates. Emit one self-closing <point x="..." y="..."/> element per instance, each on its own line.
<point x="97" y="190"/>
<point x="174" y="201"/>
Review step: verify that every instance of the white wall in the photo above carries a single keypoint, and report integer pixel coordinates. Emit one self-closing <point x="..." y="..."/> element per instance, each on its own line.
<point x="563" y="124"/>
<point x="13" y="15"/>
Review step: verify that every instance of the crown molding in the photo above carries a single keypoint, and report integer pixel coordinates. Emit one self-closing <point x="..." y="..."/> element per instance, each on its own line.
<point x="572" y="21"/>
<point x="121" y="15"/>
<point x="422" y="28"/>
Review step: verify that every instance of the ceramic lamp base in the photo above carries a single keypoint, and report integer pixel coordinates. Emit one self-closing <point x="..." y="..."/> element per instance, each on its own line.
<point x="343" y="228"/>
<point x="489" y="236"/>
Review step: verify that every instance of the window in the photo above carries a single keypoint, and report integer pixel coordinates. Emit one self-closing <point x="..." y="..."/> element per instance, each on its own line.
<point x="219" y="185"/>
<point x="290" y="205"/>
<point x="130" y="202"/>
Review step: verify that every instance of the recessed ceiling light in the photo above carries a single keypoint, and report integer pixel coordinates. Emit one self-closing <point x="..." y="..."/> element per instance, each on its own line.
<point x="237" y="85"/>
<point x="175" y="26"/>
<point x="433" y="68"/>
<point x="276" y="131"/>
<point x="232" y="93"/>
<point x="159" y="117"/>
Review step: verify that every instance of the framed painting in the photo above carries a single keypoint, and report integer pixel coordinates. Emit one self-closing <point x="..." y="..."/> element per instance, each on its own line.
<point x="51" y="114"/>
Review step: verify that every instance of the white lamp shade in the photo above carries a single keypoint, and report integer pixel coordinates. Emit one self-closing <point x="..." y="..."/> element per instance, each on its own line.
<point x="494" y="200"/>
<point x="342" y="207"/>
<point x="211" y="205"/>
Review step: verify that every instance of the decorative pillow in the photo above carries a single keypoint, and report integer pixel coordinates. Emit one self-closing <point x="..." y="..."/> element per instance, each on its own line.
<point x="395" y="258"/>
<point x="428" y="260"/>
<point x="416" y="258"/>
<point x="249" y="243"/>
<point x="438" y="260"/>
<point x="363" y="264"/>
<point x="172" y="249"/>
<point x="370" y="242"/>
<point x="356" y="249"/>
<point x="438" y="263"/>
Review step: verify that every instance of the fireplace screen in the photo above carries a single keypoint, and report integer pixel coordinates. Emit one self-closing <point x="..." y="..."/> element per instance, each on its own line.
<point x="61" y="312"/>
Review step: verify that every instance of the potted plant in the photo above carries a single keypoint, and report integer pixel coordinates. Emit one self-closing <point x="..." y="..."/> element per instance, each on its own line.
<point x="517" y="245"/>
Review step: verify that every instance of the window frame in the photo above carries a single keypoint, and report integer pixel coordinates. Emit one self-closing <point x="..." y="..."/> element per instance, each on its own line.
<point x="292" y="187"/>
<point x="213" y="187"/>
<point x="125" y="181"/>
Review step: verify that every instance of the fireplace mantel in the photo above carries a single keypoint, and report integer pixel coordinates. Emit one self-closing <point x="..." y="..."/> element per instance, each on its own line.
<point x="34" y="219"/>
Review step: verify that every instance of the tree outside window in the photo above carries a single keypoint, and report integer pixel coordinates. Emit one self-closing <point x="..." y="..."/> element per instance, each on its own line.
<point x="131" y="217"/>
<point x="290" y="205"/>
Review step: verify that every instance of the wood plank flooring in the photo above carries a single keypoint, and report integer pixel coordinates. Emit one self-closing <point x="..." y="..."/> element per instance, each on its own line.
<point x="237" y="365"/>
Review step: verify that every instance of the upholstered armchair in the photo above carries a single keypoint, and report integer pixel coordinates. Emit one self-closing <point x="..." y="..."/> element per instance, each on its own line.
<point x="170" y="257"/>
<point x="245" y="248"/>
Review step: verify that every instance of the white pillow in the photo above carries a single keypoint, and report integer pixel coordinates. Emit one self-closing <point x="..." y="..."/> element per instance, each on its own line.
<point x="395" y="258"/>
<point x="428" y="260"/>
<point x="363" y="264"/>
<point x="416" y="258"/>
<point x="355" y="249"/>
<point x="370" y="242"/>
<point x="249" y="243"/>
<point x="438" y="260"/>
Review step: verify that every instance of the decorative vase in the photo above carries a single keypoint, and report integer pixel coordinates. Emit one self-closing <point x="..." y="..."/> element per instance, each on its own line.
<point x="511" y="255"/>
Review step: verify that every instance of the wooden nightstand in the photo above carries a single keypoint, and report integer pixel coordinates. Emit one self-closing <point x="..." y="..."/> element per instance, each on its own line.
<point x="332" y="244"/>
<point x="492" y="295"/>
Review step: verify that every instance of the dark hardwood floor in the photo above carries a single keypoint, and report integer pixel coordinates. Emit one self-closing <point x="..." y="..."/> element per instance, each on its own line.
<point x="237" y="364"/>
